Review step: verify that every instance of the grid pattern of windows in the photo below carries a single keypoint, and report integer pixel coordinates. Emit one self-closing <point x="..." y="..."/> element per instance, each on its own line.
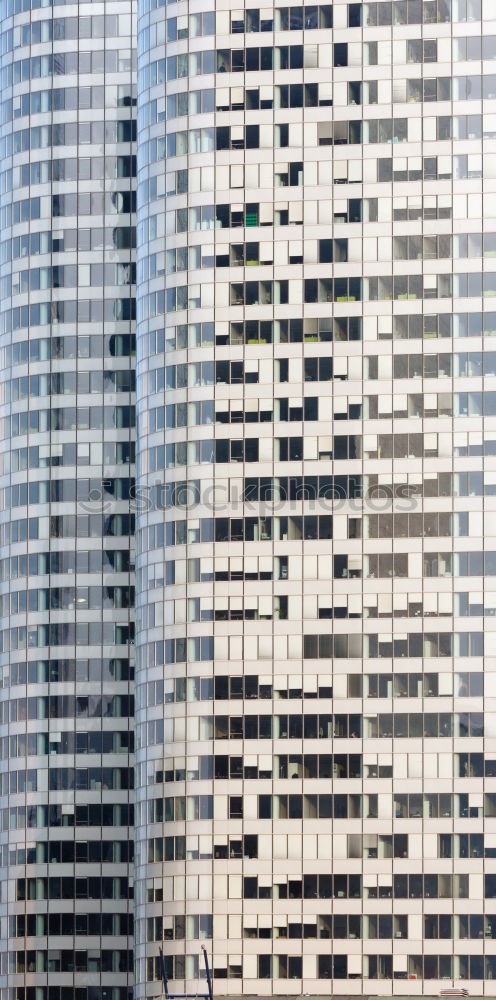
<point x="67" y="273"/>
<point x="316" y="451"/>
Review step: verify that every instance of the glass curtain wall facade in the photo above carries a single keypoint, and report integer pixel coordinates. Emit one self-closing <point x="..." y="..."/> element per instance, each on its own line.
<point x="316" y="755"/>
<point x="67" y="161"/>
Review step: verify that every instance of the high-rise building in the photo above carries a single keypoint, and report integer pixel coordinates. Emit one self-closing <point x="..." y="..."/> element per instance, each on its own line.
<point x="67" y="163"/>
<point x="316" y="654"/>
<point x="316" y="648"/>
